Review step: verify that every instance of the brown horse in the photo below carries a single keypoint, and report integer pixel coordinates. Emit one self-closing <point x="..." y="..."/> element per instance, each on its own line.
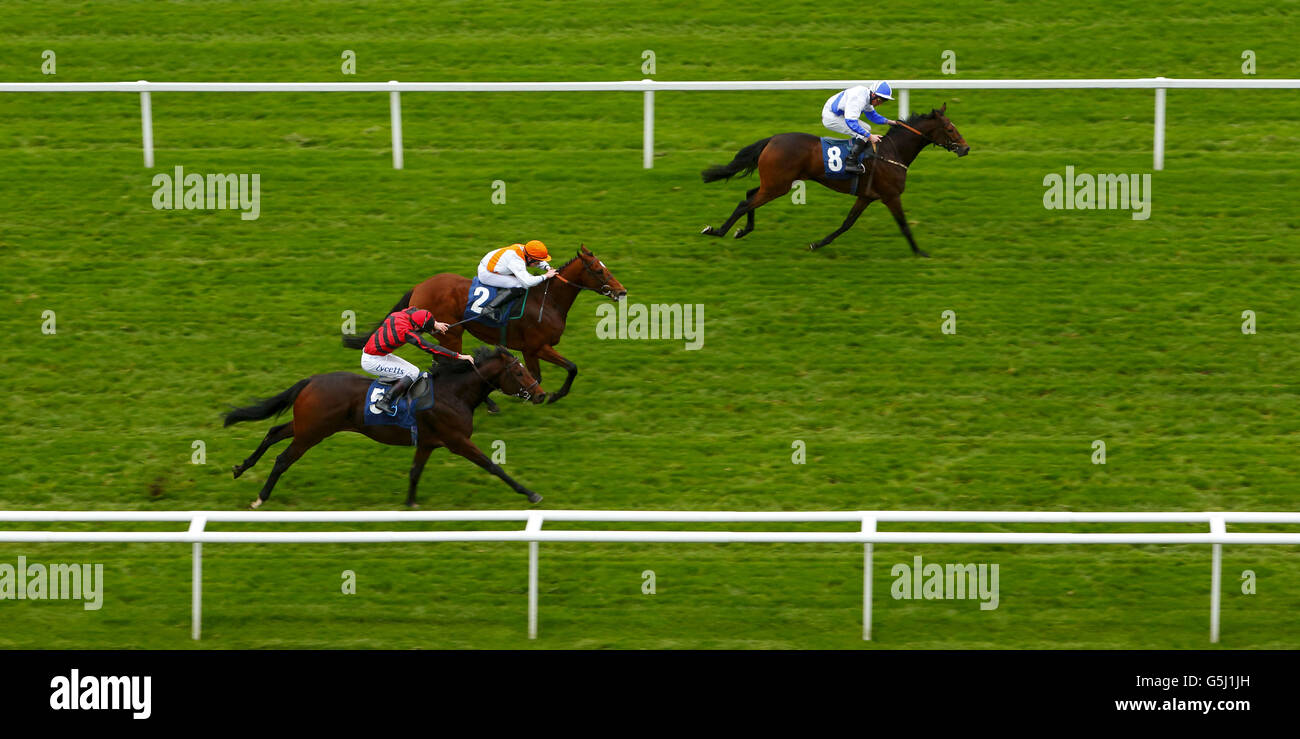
<point x="786" y="157"/>
<point x="535" y="333"/>
<point x="325" y="404"/>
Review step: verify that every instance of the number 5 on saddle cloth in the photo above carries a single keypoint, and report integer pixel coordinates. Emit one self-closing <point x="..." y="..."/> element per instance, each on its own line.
<point x="418" y="398"/>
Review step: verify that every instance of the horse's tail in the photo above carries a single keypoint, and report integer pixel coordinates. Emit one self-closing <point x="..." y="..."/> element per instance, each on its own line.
<point x="744" y="163"/>
<point x="357" y="341"/>
<point x="266" y="408"/>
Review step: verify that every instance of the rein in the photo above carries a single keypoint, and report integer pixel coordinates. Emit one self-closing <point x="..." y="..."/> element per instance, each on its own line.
<point x="560" y="277"/>
<point x="599" y="290"/>
<point x="928" y="140"/>
<point x="523" y="392"/>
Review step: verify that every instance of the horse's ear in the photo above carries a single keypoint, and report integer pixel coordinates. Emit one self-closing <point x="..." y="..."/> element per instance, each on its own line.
<point x="944" y="109"/>
<point x="582" y="249"/>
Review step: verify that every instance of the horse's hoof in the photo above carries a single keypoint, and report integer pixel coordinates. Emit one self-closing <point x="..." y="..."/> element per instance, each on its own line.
<point x="707" y="230"/>
<point x="255" y="504"/>
<point x="534" y="498"/>
<point x="236" y="471"/>
<point x="741" y="234"/>
<point x="493" y="409"/>
<point x="553" y="398"/>
<point x="412" y="506"/>
<point x="920" y="253"/>
<point x="813" y="247"/>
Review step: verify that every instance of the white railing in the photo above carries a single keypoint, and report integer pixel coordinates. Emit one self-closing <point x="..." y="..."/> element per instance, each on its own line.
<point x="197" y="534"/>
<point x="647" y="87"/>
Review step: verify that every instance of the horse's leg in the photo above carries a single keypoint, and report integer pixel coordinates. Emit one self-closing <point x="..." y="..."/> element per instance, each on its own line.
<point x="453" y="340"/>
<point x="465" y="448"/>
<point x="417" y="467"/>
<point x="895" y="205"/>
<point x="731" y="220"/>
<point x="749" y="216"/>
<point x="549" y="354"/>
<point x="487" y="402"/>
<point x="854" y="212"/>
<point x="764" y="195"/>
<point x="282" y="463"/>
<point x="534" y="369"/>
<point x="276" y="435"/>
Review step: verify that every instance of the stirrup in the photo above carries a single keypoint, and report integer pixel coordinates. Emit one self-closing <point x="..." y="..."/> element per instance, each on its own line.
<point x="387" y="405"/>
<point x="496" y="310"/>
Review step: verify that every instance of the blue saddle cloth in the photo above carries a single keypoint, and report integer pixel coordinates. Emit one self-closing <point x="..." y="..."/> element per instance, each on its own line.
<point x="834" y="152"/>
<point x="480" y="295"/>
<point x="404" y="409"/>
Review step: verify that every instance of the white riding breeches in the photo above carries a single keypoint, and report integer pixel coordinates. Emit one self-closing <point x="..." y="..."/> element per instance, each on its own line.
<point x="388" y="366"/>
<point x="498" y="280"/>
<point x="836" y="123"/>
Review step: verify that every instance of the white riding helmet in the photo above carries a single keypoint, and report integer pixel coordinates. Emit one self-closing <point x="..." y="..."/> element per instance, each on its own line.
<point x="883" y="90"/>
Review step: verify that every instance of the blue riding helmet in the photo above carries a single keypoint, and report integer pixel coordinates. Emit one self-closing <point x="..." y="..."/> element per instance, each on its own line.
<point x="883" y="90"/>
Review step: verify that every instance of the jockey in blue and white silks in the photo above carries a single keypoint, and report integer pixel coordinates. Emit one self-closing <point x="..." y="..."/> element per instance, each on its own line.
<point x="841" y="113"/>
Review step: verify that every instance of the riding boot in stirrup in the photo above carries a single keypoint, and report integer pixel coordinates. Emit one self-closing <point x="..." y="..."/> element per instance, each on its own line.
<point x="392" y="395"/>
<point x="493" y="308"/>
<point x="851" y="165"/>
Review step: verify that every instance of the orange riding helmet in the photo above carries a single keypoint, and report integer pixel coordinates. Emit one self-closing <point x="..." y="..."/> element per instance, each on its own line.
<point x="537" y="250"/>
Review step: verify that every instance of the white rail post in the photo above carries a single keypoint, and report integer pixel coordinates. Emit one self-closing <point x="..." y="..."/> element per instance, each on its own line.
<point x="196" y="579"/>
<point x="395" y="112"/>
<point x="1159" y="153"/>
<point x="648" y="134"/>
<point x="534" y="524"/>
<point x="146" y="126"/>
<point x="1216" y="575"/>
<point x="904" y="104"/>
<point x="868" y="527"/>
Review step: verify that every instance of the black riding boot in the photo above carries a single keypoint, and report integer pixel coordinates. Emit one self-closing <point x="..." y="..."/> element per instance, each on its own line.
<point x="852" y="166"/>
<point x="393" y="394"/>
<point x="503" y="296"/>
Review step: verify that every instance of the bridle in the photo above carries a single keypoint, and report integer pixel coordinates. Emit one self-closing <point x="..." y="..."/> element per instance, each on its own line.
<point x="950" y="146"/>
<point x="524" y="392"/>
<point x="604" y="289"/>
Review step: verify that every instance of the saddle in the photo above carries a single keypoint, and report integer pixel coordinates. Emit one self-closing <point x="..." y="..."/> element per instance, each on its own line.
<point x="481" y="294"/>
<point x="417" y="398"/>
<point x="419" y="391"/>
<point x="834" y="155"/>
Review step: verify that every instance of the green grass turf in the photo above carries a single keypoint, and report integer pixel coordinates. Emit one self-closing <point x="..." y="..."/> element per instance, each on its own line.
<point x="1072" y="326"/>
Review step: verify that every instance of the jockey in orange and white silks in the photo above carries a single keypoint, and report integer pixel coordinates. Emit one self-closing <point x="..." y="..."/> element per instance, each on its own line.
<point x="841" y="113"/>
<point x="507" y="268"/>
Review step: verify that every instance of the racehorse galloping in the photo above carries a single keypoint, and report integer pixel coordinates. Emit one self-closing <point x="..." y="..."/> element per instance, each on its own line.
<point x="535" y="333"/>
<point x="325" y="404"/>
<point x="786" y="157"/>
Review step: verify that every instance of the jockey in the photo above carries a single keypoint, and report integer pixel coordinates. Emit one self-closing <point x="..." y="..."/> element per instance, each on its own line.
<point x="401" y="327"/>
<point x="507" y="267"/>
<point x="841" y="112"/>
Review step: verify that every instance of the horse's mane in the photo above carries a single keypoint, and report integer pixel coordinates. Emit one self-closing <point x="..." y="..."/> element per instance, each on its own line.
<point x="915" y="117"/>
<point x="448" y="367"/>
<point x="911" y="119"/>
